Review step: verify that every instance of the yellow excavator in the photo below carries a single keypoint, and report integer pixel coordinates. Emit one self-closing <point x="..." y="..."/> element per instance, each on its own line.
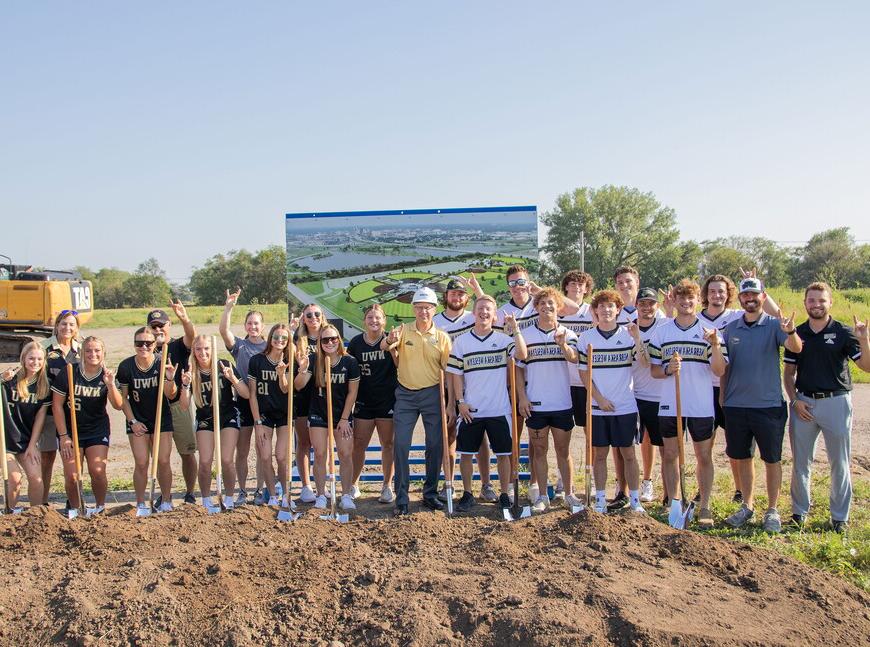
<point x="31" y="300"/>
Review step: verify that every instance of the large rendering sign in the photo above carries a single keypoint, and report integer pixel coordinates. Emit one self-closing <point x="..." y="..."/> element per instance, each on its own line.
<point x="344" y="261"/>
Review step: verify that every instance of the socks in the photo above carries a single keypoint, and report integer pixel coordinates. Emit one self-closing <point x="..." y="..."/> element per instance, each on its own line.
<point x="600" y="498"/>
<point x="633" y="498"/>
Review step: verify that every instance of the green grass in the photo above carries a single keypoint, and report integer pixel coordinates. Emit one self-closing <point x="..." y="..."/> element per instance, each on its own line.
<point x="399" y="276"/>
<point x="198" y="314"/>
<point x="311" y="287"/>
<point x="364" y="291"/>
<point x="396" y="308"/>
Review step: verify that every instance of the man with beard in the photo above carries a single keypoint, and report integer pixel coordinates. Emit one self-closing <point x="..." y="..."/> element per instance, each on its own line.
<point x="752" y="398"/>
<point x="819" y="387"/>
<point x="455" y="320"/>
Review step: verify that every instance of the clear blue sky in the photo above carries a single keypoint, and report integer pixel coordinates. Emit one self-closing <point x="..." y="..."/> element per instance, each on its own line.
<point x="179" y="130"/>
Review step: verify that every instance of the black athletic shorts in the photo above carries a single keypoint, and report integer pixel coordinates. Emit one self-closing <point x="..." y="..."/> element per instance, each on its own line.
<point x="717" y="410"/>
<point x="578" y="404"/>
<point x="246" y="418"/>
<point x="316" y="421"/>
<point x="469" y="435"/>
<point x="563" y="420"/>
<point x="614" y="431"/>
<point x="227" y="421"/>
<point x="372" y="412"/>
<point x="273" y="420"/>
<point x="92" y="441"/>
<point x="700" y="429"/>
<point x="301" y="404"/>
<point x="765" y="425"/>
<point x="648" y="414"/>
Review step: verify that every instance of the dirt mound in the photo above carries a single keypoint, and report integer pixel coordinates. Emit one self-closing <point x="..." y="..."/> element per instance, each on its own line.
<point x="187" y="578"/>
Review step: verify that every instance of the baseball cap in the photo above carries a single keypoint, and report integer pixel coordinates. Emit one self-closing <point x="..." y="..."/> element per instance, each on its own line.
<point x="158" y="316"/>
<point x="425" y="295"/>
<point x="751" y="285"/>
<point x="453" y="284"/>
<point x="647" y="294"/>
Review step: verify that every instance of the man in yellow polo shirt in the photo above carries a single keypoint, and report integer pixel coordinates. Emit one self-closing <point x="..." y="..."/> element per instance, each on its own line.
<point x="422" y="352"/>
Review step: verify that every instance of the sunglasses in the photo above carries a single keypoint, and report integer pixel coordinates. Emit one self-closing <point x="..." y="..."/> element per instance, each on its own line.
<point x="143" y="343"/>
<point x="312" y="315"/>
<point x="517" y="282"/>
<point x="156" y="325"/>
<point x="329" y="340"/>
<point x="280" y="337"/>
<point x="64" y="313"/>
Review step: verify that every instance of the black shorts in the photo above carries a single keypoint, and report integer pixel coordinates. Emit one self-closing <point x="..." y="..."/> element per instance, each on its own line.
<point x="578" y="404"/>
<point x="301" y="404"/>
<point x="17" y="447"/>
<point x="273" y="420"/>
<point x="700" y="429"/>
<point x="648" y="414"/>
<point x="719" y="415"/>
<point x="227" y="421"/>
<point x="563" y="420"/>
<point x="246" y="418"/>
<point x="469" y="435"/>
<point x="92" y="441"/>
<point x="315" y="420"/>
<point x="765" y="425"/>
<point x="372" y="412"/>
<point x="614" y="431"/>
<point x="149" y="428"/>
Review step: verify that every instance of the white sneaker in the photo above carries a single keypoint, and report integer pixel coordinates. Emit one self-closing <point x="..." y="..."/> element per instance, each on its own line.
<point x="279" y="491"/>
<point x="646" y="491"/>
<point x="320" y="502"/>
<point x="572" y="501"/>
<point x="637" y="509"/>
<point x="534" y="492"/>
<point x="559" y="492"/>
<point x="307" y="494"/>
<point x="347" y="502"/>
<point x="166" y="506"/>
<point x="143" y="506"/>
<point x="487" y="493"/>
<point x="601" y="507"/>
<point x="354" y="492"/>
<point x="229" y="504"/>
<point x="273" y="500"/>
<point x="387" y="495"/>
<point x="541" y="503"/>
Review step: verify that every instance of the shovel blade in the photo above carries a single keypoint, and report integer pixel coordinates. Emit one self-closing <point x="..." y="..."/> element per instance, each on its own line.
<point x="506" y="513"/>
<point x="577" y="508"/>
<point x="213" y="509"/>
<point x="676" y="519"/>
<point x="228" y="502"/>
<point x="143" y="512"/>
<point x="689" y="515"/>
<point x="526" y="512"/>
<point x="285" y="514"/>
<point x="72" y="513"/>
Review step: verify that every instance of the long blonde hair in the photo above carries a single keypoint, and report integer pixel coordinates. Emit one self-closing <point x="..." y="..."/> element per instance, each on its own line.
<point x="42" y="386"/>
<point x="195" y="381"/>
<point x="320" y="365"/>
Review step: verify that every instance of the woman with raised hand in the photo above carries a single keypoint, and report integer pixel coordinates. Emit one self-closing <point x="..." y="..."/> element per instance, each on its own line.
<point x="200" y="380"/>
<point x="139" y="378"/>
<point x="267" y="384"/>
<point x="26" y="400"/>
<point x="242" y="351"/>
<point x="63" y="348"/>
<point x="306" y="337"/>
<point x="93" y="386"/>
<point x="344" y="375"/>
<point x="377" y="395"/>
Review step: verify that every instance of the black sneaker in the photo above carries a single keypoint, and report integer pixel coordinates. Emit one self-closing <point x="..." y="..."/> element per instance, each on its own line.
<point x="157" y="503"/>
<point x="666" y="501"/>
<point x="189" y="498"/>
<point x="738" y="497"/>
<point x="839" y="526"/>
<point x="620" y="502"/>
<point x="504" y="501"/>
<point x="798" y="520"/>
<point x="466" y="502"/>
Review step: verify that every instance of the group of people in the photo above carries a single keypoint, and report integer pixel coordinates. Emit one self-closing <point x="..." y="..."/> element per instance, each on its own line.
<point x="638" y="344"/>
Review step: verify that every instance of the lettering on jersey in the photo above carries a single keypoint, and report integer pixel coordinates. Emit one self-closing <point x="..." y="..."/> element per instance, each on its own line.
<point x="372" y="355"/>
<point x="478" y="361"/>
<point x="611" y="358"/>
<point x="30" y="399"/>
<point x="544" y="353"/>
<point x="269" y="376"/>
<point x="338" y="378"/>
<point x="577" y="327"/>
<point x="689" y="351"/>
<point x="84" y="391"/>
<point x="140" y="383"/>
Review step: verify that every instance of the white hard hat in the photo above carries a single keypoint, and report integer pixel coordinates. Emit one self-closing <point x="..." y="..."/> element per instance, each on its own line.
<point x="425" y="295"/>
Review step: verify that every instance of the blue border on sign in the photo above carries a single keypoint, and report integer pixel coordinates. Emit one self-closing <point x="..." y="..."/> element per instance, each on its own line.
<point x="411" y="212"/>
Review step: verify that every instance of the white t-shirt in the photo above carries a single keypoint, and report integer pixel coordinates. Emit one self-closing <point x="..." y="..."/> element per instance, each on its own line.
<point x="548" y="373"/>
<point x="695" y="393"/>
<point x="720" y="322"/>
<point x="525" y="316"/>
<point x="454" y="327"/>
<point x="612" y="358"/>
<point x="578" y="323"/>
<point x="483" y="363"/>
<point x="646" y="387"/>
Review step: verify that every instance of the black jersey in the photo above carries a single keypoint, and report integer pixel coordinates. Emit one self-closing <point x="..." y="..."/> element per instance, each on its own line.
<point x="271" y="400"/>
<point x="56" y="361"/>
<point x="302" y="399"/>
<point x="377" y="369"/>
<point x="227" y="403"/>
<point x="91" y="396"/>
<point x="178" y="356"/>
<point x="345" y="371"/>
<point x="142" y="392"/>
<point x="20" y="414"/>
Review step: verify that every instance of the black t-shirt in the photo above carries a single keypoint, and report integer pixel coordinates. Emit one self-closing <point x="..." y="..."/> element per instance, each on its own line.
<point x="301" y="399"/>
<point x="56" y="361"/>
<point x="377" y="369"/>
<point x="345" y="371"/>
<point x="271" y="400"/>
<point x="19" y="415"/>
<point x="178" y="355"/>
<point x="823" y="364"/>
<point x="227" y="403"/>
<point x="142" y="392"/>
<point x="91" y="396"/>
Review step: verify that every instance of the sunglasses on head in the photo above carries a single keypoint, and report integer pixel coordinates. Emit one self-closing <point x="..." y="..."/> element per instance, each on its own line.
<point x="64" y="313"/>
<point x="312" y="315"/>
<point x="517" y="282"/>
<point x="329" y="340"/>
<point x="143" y="343"/>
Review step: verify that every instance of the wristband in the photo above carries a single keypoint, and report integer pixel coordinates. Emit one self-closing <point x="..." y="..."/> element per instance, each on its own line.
<point x="793" y="332"/>
<point x="62" y="435"/>
<point x="666" y="369"/>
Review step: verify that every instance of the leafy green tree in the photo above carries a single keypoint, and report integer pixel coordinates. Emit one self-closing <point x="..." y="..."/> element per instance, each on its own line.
<point x="830" y="256"/>
<point x="109" y="287"/>
<point x="772" y="261"/>
<point x="147" y="286"/>
<point x="262" y="276"/>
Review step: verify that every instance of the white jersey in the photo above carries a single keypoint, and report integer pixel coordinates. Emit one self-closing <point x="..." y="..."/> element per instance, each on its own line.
<point x="719" y="322"/>
<point x="483" y="361"/>
<point x="578" y="323"/>
<point x="454" y="327"/>
<point x="612" y="358"/>
<point x="548" y="383"/>
<point x="628" y="314"/>
<point x="646" y="387"/>
<point x="525" y="315"/>
<point x="695" y="393"/>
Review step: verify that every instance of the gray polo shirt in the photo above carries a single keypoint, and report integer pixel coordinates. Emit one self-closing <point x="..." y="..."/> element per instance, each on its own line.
<point x="754" y="378"/>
